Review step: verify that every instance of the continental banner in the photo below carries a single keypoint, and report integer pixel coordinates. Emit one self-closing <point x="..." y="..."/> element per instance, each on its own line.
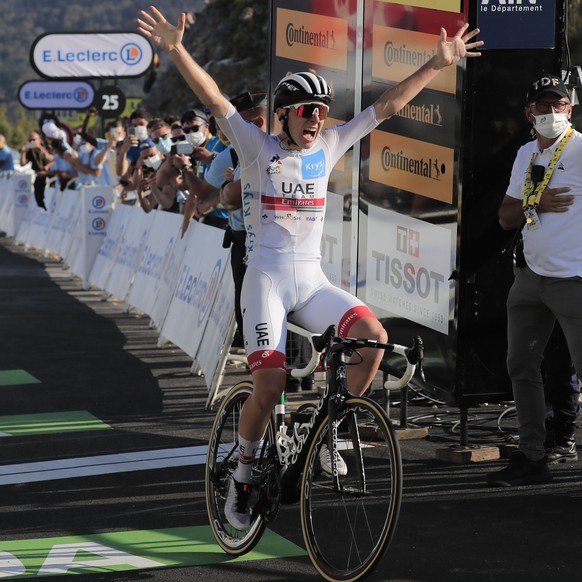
<point x="414" y="166"/>
<point x="397" y="53"/>
<point x="312" y="38"/>
<point x="448" y="5"/>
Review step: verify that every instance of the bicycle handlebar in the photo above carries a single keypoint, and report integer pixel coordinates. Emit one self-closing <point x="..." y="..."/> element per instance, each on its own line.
<point x="413" y="355"/>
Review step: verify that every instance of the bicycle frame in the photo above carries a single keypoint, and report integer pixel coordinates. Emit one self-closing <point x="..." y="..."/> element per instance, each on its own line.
<point x="289" y="448"/>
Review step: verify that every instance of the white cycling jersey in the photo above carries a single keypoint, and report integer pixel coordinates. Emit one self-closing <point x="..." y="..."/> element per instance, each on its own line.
<point x="284" y="190"/>
<point x="284" y="193"/>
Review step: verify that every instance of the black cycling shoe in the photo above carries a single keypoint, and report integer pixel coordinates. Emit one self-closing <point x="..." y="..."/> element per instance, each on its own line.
<point x="521" y="471"/>
<point x="565" y="453"/>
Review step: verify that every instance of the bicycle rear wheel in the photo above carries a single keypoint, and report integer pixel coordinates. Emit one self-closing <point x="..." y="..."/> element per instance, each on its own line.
<point x="346" y="532"/>
<point x="221" y="462"/>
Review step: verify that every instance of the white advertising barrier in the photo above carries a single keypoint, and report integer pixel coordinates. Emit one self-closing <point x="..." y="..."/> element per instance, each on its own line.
<point x="16" y="204"/>
<point x="164" y="232"/>
<point x="60" y="209"/>
<point x="70" y="221"/>
<point x="128" y="258"/>
<point x="36" y="233"/>
<point x="4" y="187"/>
<point x="96" y="208"/>
<point x="25" y="224"/>
<point x="214" y="349"/>
<point x="168" y="282"/>
<point x="105" y="259"/>
<point x="198" y="282"/>
<point x="38" y="229"/>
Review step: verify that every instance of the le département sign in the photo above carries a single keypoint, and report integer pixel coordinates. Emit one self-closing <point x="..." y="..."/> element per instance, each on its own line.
<point x="517" y="24"/>
<point x="91" y="55"/>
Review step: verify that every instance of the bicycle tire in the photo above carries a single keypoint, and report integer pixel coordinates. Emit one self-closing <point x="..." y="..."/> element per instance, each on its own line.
<point x="346" y="534"/>
<point x="221" y="463"/>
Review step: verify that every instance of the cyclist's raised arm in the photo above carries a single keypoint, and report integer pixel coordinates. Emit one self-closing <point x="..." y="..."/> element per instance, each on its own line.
<point x="449" y="52"/>
<point x="153" y="25"/>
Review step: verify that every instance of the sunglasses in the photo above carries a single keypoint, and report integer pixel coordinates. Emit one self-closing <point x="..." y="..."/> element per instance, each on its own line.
<point x="156" y="140"/>
<point x="193" y="128"/>
<point x="306" y="110"/>
<point x="178" y="138"/>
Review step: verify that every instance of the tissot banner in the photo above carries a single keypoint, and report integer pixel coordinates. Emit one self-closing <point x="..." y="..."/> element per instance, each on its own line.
<point x="91" y="55"/>
<point x="56" y="95"/>
<point x="516" y="24"/>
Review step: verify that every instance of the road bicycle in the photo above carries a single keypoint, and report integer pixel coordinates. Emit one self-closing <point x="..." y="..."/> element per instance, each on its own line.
<point x="347" y="520"/>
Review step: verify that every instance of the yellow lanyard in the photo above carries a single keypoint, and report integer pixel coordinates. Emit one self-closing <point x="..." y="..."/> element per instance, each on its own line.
<point x="531" y="197"/>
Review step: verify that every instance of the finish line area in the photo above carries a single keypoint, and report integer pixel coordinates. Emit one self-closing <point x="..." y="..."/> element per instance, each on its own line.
<point x="104" y="437"/>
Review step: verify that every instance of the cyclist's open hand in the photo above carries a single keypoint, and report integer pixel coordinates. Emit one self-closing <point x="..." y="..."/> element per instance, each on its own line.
<point x="450" y="52"/>
<point x="159" y="30"/>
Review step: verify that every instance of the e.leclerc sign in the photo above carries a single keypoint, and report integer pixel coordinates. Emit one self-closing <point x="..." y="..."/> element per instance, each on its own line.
<point x="56" y="94"/>
<point x="91" y="55"/>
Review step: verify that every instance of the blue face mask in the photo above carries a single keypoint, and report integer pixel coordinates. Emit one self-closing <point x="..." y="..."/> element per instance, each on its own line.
<point x="164" y="145"/>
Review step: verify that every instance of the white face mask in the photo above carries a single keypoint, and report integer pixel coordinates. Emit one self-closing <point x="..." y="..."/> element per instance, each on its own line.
<point x="153" y="162"/>
<point x="551" y="125"/>
<point x="85" y="148"/>
<point x="195" y="138"/>
<point x="141" y="132"/>
<point x="164" y="144"/>
<point x="77" y="139"/>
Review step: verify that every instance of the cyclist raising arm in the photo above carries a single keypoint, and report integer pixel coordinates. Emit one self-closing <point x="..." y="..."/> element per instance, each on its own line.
<point x="284" y="181"/>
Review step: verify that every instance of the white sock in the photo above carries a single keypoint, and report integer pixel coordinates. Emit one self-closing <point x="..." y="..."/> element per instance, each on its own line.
<point x="246" y="455"/>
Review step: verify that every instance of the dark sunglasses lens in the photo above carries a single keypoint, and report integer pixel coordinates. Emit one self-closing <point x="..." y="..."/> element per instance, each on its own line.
<point x="307" y="110"/>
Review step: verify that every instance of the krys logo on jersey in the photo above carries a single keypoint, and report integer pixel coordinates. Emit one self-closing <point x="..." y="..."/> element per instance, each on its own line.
<point x="408" y="268"/>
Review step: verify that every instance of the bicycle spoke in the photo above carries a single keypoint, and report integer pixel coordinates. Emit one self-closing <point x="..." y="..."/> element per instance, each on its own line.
<point x="220" y="464"/>
<point x="363" y="512"/>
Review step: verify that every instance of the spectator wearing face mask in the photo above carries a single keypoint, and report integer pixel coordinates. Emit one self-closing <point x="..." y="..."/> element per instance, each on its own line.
<point x="205" y="147"/>
<point x="129" y="151"/>
<point x="151" y="195"/>
<point x="35" y="152"/>
<point x="60" y="168"/>
<point x="84" y="161"/>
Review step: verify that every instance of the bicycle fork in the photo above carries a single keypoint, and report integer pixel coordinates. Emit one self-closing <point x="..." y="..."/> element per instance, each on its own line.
<point x="335" y="403"/>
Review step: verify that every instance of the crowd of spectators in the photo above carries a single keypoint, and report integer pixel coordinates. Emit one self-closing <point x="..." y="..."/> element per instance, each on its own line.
<point x="151" y="162"/>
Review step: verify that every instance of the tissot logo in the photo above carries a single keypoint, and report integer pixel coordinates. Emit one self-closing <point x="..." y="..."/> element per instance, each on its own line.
<point x="408" y="241"/>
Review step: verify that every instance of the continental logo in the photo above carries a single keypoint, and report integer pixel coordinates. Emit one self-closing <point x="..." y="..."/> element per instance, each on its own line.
<point x="398" y="53"/>
<point x="411" y="165"/>
<point x="312" y="38"/>
<point x="448" y="5"/>
<point x="428" y="114"/>
<point x="426" y="167"/>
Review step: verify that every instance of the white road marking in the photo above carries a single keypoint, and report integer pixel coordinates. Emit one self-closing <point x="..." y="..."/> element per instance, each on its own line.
<point x="101" y="465"/>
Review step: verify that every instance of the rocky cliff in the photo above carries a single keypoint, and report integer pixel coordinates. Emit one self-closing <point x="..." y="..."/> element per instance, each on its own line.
<point x="230" y="40"/>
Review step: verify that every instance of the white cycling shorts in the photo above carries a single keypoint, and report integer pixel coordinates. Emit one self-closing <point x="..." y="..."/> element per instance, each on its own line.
<point x="298" y="290"/>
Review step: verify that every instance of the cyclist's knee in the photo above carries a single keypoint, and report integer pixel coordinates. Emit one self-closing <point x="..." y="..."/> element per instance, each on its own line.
<point x="369" y="328"/>
<point x="268" y="385"/>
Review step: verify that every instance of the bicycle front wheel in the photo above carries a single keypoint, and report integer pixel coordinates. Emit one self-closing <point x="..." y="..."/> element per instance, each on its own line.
<point x="346" y="531"/>
<point x="221" y="462"/>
